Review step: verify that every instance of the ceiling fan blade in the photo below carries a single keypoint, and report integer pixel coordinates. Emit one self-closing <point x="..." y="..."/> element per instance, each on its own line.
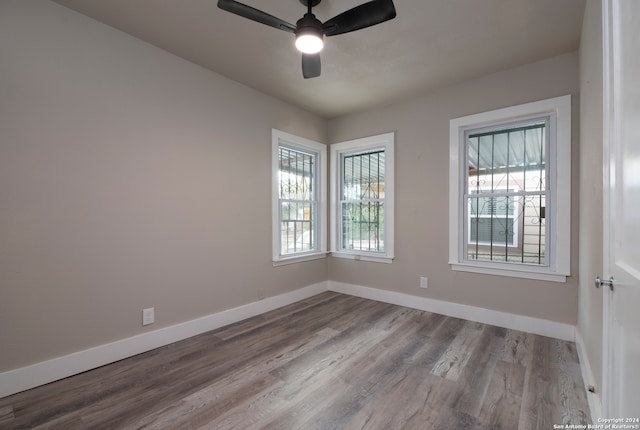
<point x="255" y="15"/>
<point x="311" y="65"/>
<point x="363" y="16"/>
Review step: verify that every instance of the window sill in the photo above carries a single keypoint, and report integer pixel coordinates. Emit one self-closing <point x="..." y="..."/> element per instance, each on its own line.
<point x="283" y="261"/>
<point x="515" y="272"/>
<point x="361" y="257"/>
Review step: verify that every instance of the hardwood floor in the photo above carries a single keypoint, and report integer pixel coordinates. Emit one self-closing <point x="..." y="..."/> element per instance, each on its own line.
<point x="330" y="362"/>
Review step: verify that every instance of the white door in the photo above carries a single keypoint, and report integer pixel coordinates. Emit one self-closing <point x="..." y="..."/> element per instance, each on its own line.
<point x="621" y="47"/>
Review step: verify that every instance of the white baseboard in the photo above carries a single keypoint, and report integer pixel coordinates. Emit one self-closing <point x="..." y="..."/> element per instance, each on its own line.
<point x="594" y="399"/>
<point x="24" y="378"/>
<point x="487" y="316"/>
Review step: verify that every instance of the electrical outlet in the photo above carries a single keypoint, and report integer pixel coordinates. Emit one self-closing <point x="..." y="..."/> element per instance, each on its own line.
<point x="424" y="282"/>
<point x="148" y="316"/>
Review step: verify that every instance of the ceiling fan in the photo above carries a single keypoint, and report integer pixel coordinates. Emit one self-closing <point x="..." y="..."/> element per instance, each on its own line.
<point x="309" y="30"/>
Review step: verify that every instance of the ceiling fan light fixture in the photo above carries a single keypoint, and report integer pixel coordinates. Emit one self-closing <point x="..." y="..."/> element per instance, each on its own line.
<point x="309" y="43"/>
<point x="309" y="34"/>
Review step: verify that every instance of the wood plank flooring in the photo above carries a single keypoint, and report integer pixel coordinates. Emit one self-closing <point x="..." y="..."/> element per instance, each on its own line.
<point x="329" y="362"/>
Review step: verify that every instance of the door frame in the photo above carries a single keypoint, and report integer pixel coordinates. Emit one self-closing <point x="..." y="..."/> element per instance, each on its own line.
<point x="612" y="375"/>
<point x="608" y="146"/>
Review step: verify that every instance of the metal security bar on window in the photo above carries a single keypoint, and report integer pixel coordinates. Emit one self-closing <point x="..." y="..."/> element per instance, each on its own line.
<point x="506" y="194"/>
<point x="362" y="201"/>
<point x="298" y="201"/>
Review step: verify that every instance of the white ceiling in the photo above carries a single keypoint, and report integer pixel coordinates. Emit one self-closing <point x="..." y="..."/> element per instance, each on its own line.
<point x="430" y="44"/>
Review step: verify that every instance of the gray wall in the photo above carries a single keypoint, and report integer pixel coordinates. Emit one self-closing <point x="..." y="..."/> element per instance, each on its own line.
<point x="129" y="178"/>
<point x="591" y="180"/>
<point x="422" y="192"/>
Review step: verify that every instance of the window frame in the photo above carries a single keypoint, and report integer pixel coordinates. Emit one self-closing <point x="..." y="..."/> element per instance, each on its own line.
<point x="296" y="143"/>
<point x="385" y="142"/>
<point x="558" y="214"/>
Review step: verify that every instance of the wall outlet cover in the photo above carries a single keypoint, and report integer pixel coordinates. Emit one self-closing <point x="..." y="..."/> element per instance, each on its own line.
<point x="148" y="316"/>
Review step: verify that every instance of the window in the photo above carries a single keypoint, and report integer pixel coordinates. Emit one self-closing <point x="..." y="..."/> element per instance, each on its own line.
<point x="299" y="195"/>
<point x="506" y="191"/>
<point x="362" y="198"/>
<point x="510" y="182"/>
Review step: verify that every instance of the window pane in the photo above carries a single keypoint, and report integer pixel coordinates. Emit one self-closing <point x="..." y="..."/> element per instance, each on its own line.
<point x="297" y="227"/>
<point x="363" y="201"/>
<point x="492" y="230"/>
<point x="297" y="173"/>
<point x="363" y="176"/>
<point x="298" y="203"/>
<point x="534" y="230"/>
<point x="363" y="226"/>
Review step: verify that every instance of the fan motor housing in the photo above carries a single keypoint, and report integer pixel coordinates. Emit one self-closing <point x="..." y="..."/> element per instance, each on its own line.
<point x="314" y="3"/>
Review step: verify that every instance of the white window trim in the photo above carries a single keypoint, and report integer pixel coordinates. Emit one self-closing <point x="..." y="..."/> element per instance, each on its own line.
<point x="383" y="141"/>
<point x="281" y="138"/>
<point x="559" y="246"/>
